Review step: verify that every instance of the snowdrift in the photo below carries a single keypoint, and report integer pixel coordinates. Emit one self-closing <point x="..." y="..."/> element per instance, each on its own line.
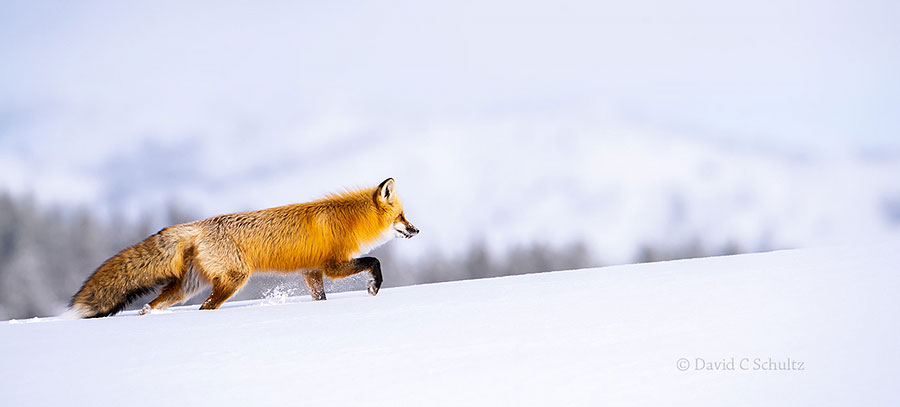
<point x="804" y="327"/>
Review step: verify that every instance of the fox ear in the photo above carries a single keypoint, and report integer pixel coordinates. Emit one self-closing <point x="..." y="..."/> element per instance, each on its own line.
<point x="384" y="194"/>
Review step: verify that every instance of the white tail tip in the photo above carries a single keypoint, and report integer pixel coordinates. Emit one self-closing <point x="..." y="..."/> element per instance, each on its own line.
<point x="76" y="311"/>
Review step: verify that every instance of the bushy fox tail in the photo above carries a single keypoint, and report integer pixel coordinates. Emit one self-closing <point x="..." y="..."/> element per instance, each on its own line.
<point x="135" y="271"/>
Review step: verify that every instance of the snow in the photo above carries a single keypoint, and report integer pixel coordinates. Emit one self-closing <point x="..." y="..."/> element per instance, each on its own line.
<point x="581" y="337"/>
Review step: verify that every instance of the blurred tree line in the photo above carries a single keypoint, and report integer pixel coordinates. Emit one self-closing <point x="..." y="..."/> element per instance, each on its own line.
<point x="47" y="253"/>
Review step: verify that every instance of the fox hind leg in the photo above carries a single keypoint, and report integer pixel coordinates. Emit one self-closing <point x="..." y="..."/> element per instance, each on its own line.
<point x="220" y="262"/>
<point x="168" y="296"/>
<point x="177" y="291"/>
<point x="224" y="286"/>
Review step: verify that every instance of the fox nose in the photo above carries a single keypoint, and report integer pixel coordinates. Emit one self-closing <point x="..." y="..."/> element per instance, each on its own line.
<point x="412" y="230"/>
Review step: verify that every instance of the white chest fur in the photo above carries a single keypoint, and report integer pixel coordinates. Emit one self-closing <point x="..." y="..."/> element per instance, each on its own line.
<point x="365" y="248"/>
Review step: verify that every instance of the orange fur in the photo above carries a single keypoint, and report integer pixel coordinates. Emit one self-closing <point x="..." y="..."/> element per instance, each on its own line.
<point x="321" y="237"/>
<point x="307" y="235"/>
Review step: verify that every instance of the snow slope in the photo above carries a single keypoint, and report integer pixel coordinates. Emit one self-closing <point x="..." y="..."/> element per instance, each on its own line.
<point x="583" y="337"/>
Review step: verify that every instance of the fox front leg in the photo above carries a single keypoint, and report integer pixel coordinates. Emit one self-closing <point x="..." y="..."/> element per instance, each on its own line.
<point x="315" y="284"/>
<point x="374" y="266"/>
<point x="349" y="268"/>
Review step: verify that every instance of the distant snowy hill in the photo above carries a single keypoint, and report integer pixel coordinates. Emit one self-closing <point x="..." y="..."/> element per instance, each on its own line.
<point x="554" y="178"/>
<point x="804" y="327"/>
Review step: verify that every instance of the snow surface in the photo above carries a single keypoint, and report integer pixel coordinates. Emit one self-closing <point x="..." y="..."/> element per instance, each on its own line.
<point x="582" y="337"/>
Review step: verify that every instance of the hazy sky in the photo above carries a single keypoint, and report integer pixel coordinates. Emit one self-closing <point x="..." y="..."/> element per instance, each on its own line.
<point x="808" y="72"/>
<point x="619" y="123"/>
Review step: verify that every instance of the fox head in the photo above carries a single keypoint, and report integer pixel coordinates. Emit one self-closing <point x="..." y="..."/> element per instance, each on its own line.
<point x="387" y="200"/>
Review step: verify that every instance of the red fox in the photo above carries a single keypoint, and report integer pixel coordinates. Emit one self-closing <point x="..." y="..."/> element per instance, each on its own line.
<point x="323" y="237"/>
